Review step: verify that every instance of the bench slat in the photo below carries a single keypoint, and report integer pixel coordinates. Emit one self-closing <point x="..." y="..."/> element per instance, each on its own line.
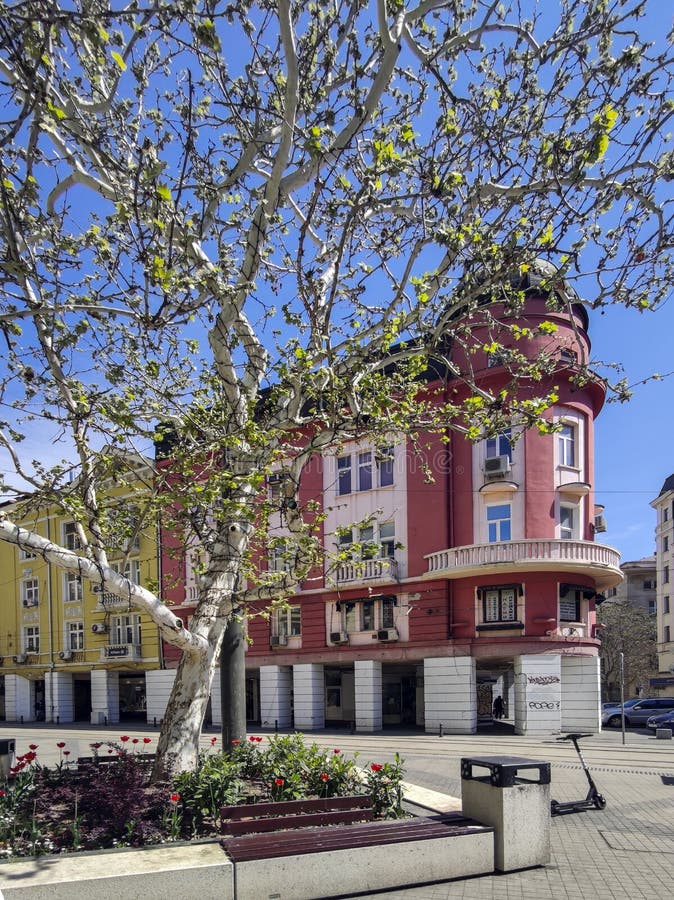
<point x="292" y="807"/>
<point x="318" y="840"/>
<point x="279" y="823"/>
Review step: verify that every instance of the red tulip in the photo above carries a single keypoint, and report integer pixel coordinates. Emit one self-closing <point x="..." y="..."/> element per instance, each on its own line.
<point x="175" y="798"/>
<point x="376" y="767"/>
<point x="60" y="744"/>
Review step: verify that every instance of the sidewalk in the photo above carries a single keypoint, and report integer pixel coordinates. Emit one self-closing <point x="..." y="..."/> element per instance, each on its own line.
<point x="623" y="851"/>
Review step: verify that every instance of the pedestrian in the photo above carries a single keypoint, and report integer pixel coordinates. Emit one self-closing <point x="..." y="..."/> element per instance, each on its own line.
<point x="498" y="707"/>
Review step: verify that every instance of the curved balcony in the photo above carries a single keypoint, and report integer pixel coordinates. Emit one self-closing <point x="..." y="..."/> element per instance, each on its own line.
<point x="582" y="557"/>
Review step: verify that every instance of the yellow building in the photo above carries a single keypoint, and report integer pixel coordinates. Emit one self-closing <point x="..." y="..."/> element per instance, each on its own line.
<point x="71" y="651"/>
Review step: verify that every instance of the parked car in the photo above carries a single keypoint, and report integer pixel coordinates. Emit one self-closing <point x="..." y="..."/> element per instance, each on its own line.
<point x="663" y="720"/>
<point x="637" y="711"/>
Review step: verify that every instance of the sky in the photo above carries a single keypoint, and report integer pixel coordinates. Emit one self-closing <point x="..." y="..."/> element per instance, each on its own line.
<point x="634" y="442"/>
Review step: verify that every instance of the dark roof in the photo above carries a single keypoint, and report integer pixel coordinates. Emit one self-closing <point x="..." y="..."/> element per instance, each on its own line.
<point x="667" y="486"/>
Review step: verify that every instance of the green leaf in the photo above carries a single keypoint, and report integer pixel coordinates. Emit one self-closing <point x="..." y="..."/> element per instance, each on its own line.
<point x="164" y="193"/>
<point x="118" y="59"/>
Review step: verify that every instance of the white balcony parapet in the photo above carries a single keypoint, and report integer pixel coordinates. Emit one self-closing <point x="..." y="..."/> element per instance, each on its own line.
<point x="597" y="560"/>
<point x="367" y="570"/>
<point x="107" y="601"/>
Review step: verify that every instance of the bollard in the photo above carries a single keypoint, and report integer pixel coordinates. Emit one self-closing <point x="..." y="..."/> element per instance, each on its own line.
<point x="7" y="749"/>
<point x="440" y="731"/>
<point x="516" y="806"/>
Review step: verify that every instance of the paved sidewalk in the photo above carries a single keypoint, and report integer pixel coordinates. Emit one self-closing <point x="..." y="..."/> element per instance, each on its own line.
<point x="623" y="851"/>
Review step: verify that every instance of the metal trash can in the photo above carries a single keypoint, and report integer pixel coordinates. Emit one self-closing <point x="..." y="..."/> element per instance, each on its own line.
<point x="7" y="750"/>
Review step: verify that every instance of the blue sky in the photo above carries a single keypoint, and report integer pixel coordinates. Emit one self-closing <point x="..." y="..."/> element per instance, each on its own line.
<point x="634" y="441"/>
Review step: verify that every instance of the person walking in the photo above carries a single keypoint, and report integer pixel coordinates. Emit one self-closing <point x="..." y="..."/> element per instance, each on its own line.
<point x="498" y="707"/>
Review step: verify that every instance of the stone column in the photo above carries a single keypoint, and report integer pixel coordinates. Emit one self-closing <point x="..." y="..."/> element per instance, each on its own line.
<point x="158" y="687"/>
<point x="276" y="687"/>
<point x="368" y="695"/>
<point x="450" y="695"/>
<point x="309" y="692"/>
<point x="104" y="697"/>
<point x="538" y="697"/>
<point x="581" y="694"/>
<point x="59" y="697"/>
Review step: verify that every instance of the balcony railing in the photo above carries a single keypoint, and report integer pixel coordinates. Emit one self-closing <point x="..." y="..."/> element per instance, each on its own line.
<point x="597" y="560"/>
<point x="128" y="652"/>
<point x="367" y="570"/>
<point x="107" y="601"/>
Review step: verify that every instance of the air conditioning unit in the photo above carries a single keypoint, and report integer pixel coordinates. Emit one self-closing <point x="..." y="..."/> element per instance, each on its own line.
<point x="20" y="658"/>
<point x="99" y="628"/>
<point x="496" y="465"/>
<point x="387" y="634"/>
<point x="279" y="640"/>
<point x="65" y="654"/>
<point x="339" y="637"/>
<point x="599" y="524"/>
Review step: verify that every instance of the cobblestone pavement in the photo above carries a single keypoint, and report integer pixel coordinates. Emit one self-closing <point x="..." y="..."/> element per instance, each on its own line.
<point x="623" y="851"/>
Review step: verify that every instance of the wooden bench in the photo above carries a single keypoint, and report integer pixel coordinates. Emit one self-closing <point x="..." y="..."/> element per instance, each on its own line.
<point x="256" y="818"/>
<point x="323" y="848"/>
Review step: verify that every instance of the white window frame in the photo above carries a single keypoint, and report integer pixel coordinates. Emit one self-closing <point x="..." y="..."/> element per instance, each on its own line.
<point x="385" y="459"/>
<point x="287" y="622"/>
<point x="71" y="538"/>
<point x="344" y="475"/>
<point x="567" y="445"/>
<point x="72" y="587"/>
<point x="569" y="520"/>
<point x="75" y="635"/>
<point x="495" y="526"/>
<point x="365" y="468"/>
<point x="499" y="603"/>
<point x="130" y="570"/>
<point x="367" y="615"/>
<point x="26" y="555"/>
<point x="30" y="592"/>
<point x="499" y="445"/>
<point x="31" y="639"/>
<point x="125" y="626"/>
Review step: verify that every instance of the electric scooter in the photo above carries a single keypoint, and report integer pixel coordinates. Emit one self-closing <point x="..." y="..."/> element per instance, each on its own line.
<point x="594" y="799"/>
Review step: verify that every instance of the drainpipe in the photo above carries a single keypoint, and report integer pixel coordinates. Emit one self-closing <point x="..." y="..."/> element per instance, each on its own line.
<point x="450" y="521"/>
<point x="51" y="632"/>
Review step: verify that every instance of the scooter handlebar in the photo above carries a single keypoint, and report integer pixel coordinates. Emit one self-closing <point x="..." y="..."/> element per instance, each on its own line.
<point x="573" y="737"/>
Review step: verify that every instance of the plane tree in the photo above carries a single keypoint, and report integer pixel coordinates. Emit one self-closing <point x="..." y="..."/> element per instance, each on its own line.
<point x="243" y="231"/>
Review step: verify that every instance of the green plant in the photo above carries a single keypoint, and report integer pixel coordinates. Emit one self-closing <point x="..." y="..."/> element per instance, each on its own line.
<point x="217" y="782"/>
<point x="383" y="782"/>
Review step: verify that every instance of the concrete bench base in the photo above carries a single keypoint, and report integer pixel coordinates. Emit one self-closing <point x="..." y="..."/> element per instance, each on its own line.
<point x="370" y="868"/>
<point x="196" y="870"/>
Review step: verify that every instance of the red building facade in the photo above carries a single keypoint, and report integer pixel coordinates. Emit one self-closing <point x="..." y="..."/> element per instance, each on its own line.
<point x="481" y="583"/>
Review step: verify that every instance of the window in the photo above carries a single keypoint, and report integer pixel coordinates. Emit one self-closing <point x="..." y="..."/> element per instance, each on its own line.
<point x="376" y="542"/>
<point x="570" y="357"/>
<point x="368" y="615"/>
<point x="650" y="585"/>
<point x="31" y="639"/>
<point x="665" y="544"/>
<point x="385" y="466"/>
<point x="569" y="604"/>
<point x="25" y="555"/>
<point x="498" y="523"/>
<point x="500" y="445"/>
<point x="567" y="445"/>
<point x="125" y="629"/>
<point x="279" y="557"/>
<point x="387" y="539"/>
<point x="71" y="538"/>
<point x="652" y="608"/>
<point x="665" y="604"/>
<point x="344" y="475"/>
<point x="75" y="638"/>
<point x="667" y="634"/>
<point x="665" y="575"/>
<point x="73" y="588"/>
<point x="567" y="522"/>
<point x="499" y="604"/>
<point x="665" y="515"/>
<point x="30" y="592"/>
<point x="287" y="622"/>
<point x="365" y="471"/>
<point x="275" y="482"/>
<point x="131" y="570"/>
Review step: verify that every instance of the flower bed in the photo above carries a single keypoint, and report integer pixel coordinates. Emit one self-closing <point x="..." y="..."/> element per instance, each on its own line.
<point x="90" y="806"/>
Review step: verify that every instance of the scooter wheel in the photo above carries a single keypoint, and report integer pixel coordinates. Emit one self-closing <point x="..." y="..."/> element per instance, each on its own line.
<point x="599" y="801"/>
<point x="554" y="807"/>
